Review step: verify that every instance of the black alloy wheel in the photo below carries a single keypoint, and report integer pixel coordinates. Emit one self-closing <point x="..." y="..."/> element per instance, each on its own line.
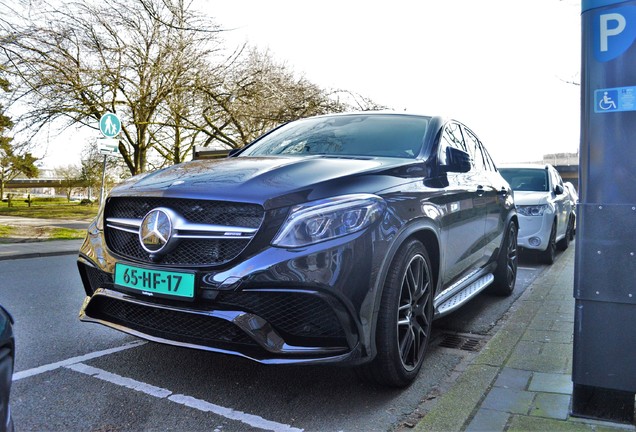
<point x="549" y="255"/>
<point x="564" y="243"/>
<point x="572" y="227"/>
<point x="404" y="319"/>
<point x="507" y="262"/>
<point x="412" y="322"/>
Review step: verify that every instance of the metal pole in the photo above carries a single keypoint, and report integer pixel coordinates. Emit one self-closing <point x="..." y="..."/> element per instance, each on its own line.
<point x="101" y="192"/>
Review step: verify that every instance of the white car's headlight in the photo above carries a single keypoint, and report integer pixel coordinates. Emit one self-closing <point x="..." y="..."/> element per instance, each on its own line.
<point x="534" y="210"/>
<point x="328" y="219"/>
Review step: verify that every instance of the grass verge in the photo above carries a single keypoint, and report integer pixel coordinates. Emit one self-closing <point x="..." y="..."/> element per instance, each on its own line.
<point x="23" y="234"/>
<point x="6" y="230"/>
<point x="66" y="234"/>
<point x="51" y="211"/>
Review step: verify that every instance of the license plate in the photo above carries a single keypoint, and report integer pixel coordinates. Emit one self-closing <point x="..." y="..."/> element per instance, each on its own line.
<point x="155" y="282"/>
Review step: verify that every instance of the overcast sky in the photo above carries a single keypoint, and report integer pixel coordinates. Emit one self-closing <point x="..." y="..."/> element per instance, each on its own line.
<point x="503" y="67"/>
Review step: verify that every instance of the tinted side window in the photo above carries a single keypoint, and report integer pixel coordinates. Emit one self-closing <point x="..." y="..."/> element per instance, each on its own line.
<point x="474" y="150"/>
<point x="556" y="178"/>
<point x="488" y="162"/>
<point x="451" y="137"/>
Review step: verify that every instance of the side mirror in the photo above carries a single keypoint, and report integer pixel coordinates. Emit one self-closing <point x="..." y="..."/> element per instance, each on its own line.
<point x="558" y="189"/>
<point x="457" y="161"/>
<point x="233" y="152"/>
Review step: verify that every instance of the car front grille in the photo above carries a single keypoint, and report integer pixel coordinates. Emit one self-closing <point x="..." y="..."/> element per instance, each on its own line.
<point x="196" y="249"/>
<point x="168" y="324"/>
<point x="188" y="252"/>
<point x="96" y="278"/>
<point x="196" y="211"/>
<point x="296" y="315"/>
<point x="301" y="319"/>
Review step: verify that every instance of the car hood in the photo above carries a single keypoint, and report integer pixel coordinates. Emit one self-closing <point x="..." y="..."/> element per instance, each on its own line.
<point x="531" y="198"/>
<point x="269" y="181"/>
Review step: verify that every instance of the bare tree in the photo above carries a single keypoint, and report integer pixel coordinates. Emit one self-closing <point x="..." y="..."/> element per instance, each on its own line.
<point x="77" y="63"/>
<point x="71" y="179"/>
<point x="259" y="93"/>
<point x="161" y="68"/>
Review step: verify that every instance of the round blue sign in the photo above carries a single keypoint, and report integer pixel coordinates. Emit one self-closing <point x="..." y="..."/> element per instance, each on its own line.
<point x="110" y="125"/>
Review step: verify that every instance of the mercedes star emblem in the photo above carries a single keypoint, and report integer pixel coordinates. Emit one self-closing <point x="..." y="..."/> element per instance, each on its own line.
<point x="155" y="231"/>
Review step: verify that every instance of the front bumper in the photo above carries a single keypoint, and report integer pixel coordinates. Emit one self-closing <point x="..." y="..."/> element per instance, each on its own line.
<point x="276" y="306"/>
<point x="534" y="231"/>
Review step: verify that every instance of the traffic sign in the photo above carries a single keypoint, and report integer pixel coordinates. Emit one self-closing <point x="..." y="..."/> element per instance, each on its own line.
<point x="108" y="146"/>
<point x="110" y="125"/>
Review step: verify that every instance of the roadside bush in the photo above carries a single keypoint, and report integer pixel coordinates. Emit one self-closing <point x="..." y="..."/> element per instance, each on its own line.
<point x="86" y="201"/>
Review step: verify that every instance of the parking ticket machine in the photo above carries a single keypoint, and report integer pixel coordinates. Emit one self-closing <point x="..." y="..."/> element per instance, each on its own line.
<point x="604" y="358"/>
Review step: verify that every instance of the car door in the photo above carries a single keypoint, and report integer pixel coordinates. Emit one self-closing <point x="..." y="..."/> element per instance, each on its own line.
<point x="493" y="191"/>
<point x="463" y="220"/>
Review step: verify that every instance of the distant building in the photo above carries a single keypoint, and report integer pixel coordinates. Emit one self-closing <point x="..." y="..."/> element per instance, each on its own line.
<point x="562" y="159"/>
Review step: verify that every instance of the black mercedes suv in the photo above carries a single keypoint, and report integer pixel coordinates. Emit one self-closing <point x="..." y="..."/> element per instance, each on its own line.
<point x="332" y="239"/>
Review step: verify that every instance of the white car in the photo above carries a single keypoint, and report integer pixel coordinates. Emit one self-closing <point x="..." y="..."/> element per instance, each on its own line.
<point x="545" y="209"/>
<point x="574" y="197"/>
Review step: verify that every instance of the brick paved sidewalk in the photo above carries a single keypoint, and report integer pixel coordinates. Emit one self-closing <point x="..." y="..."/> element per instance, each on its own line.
<point x="521" y="381"/>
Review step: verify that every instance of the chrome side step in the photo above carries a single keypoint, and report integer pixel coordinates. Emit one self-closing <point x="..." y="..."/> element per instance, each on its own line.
<point x="464" y="295"/>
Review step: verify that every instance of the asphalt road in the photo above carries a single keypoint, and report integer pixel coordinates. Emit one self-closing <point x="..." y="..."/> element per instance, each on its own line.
<point x="73" y="376"/>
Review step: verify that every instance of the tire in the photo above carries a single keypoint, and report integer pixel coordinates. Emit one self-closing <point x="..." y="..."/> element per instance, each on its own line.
<point x="507" y="261"/>
<point x="404" y="319"/>
<point x="564" y="243"/>
<point x="549" y="255"/>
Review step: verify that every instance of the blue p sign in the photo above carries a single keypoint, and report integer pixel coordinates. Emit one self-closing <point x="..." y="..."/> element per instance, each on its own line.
<point x="618" y="25"/>
<point x="614" y="32"/>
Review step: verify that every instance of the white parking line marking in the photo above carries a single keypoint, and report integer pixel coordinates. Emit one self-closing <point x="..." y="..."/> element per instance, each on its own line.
<point x="130" y="383"/>
<point x="189" y="401"/>
<point x="250" y="419"/>
<point x="75" y="363"/>
<point x="73" y="360"/>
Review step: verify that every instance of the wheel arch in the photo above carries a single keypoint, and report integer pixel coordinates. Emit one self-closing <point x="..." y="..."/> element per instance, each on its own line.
<point x="432" y="246"/>
<point x="427" y="232"/>
<point x="557" y="236"/>
<point x="511" y="218"/>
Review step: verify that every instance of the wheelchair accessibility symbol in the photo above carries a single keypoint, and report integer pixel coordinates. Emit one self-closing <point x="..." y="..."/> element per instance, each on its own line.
<point x="614" y="99"/>
<point x="608" y="101"/>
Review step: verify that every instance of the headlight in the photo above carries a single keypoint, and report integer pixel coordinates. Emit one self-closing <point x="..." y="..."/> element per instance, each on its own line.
<point x="534" y="210"/>
<point x="328" y="219"/>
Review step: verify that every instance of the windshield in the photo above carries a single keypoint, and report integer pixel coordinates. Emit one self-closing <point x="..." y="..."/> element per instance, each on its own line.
<point x="347" y="135"/>
<point x="526" y="179"/>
